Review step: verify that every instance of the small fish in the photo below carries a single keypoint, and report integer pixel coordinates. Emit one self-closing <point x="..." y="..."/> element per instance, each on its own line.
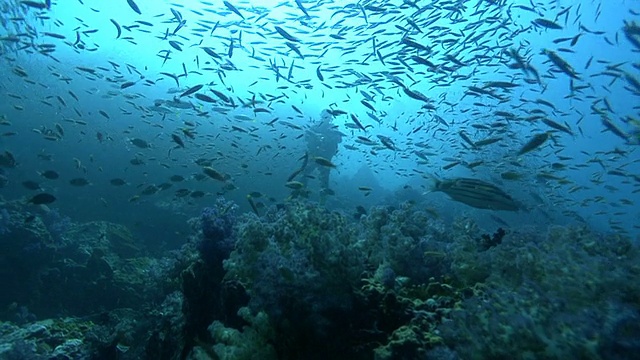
<point x="192" y="90"/>
<point x="357" y="122"/>
<point x="511" y="175"/>
<point x="150" y="190"/>
<point x="414" y="44"/>
<point x="197" y="194"/>
<point x="134" y="6"/>
<point x="136" y="161"/>
<point x="561" y="63"/>
<point x="233" y="9"/>
<point x="117" y="182"/>
<point x="36" y="4"/>
<point x="211" y="53"/>
<point x="176" y="45"/>
<point x="286" y="35"/>
<point x="547" y="24"/>
<point x="319" y="74"/>
<point x="296" y="50"/>
<point x="42" y="199"/>
<point x="140" y="143"/>
<point x="181" y="24"/>
<point x="176" y="14"/>
<point x="213" y="173"/>
<point x="79" y="182"/>
<point x="54" y="35"/>
<point x="467" y="139"/>
<point x="324" y="162"/>
<point x="574" y="40"/>
<point x="8" y="160"/>
<point x="366" y="141"/>
<point x="556" y="126"/>
<point x="205" y="98"/>
<point x="118" y="28"/>
<point x="337" y="112"/>
<point x="239" y="129"/>
<point x="615" y="129"/>
<point x="49" y="174"/>
<point x="61" y="100"/>
<point x="487" y="141"/>
<point x="535" y="142"/>
<point x="127" y="84"/>
<point x="299" y="4"/>
<point x="296" y="185"/>
<point x="220" y="95"/>
<point x="73" y="95"/>
<point x="176" y="139"/>
<point x="451" y="165"/>
<point x="387" y="142"/>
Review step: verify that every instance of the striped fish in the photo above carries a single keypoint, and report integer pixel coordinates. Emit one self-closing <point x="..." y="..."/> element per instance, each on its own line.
<point x="476" y="193"/>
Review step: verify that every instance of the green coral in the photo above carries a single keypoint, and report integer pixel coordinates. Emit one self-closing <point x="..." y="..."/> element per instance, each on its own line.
<point x="408" y="315"/>
<point x="252" y="343"/>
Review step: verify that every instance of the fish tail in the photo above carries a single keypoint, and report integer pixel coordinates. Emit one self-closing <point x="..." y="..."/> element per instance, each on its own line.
<point x="433" y="183"/>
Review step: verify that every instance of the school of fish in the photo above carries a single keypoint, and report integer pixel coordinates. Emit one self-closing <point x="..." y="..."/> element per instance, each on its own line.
<point x="484" y="93"/>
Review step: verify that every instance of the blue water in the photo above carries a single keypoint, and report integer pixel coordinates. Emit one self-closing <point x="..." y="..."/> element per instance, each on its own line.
<point x="98" y="123"/>
<point x="138" y="56"/>
<point x="587" y="193"/>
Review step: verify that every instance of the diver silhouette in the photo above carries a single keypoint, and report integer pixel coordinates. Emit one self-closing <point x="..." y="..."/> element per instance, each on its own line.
<point x="322" y="141"/>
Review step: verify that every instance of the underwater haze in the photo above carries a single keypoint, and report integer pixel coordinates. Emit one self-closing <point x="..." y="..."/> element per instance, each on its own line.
<point x="107" y="75"/>
<point x="315" y="147"/>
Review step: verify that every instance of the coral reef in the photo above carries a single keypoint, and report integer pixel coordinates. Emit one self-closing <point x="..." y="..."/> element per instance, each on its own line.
<point x="217" y="231"/>
<point x="53" y="268"/>
<point x="545" y="296"/>
<point x="304" y="252"/>
<point x="304" y="282"/>
<point x="401" y="237"/>
<point x="253" y="342"/>
<point x="298" y="265"/>
<point x="406" y="288"/>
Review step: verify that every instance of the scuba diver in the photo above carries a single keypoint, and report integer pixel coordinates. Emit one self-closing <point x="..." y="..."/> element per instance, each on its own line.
<point x="322" y="141"/>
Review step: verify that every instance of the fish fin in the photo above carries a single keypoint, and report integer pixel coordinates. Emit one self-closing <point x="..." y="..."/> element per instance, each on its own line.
<point x="433" y="183"/>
